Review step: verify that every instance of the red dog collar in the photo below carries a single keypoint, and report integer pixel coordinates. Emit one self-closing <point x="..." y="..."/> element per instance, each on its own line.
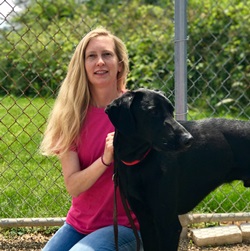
<point x="132" y="163"/>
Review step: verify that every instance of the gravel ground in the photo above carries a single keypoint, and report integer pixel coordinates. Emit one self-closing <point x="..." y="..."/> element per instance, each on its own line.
<point x="36" y="241"/>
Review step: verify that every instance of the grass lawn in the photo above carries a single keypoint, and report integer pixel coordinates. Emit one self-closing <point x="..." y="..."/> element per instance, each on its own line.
<point x="32" y="185"/>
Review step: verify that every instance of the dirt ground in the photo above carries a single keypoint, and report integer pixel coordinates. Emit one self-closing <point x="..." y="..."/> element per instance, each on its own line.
<point x="35" y="241"/>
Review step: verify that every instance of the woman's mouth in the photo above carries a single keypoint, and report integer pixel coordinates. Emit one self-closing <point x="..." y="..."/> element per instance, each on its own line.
<point x="100" y="72"/>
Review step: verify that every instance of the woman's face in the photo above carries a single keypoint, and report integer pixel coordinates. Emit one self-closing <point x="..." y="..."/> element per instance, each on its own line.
<point x="101" y="62"/>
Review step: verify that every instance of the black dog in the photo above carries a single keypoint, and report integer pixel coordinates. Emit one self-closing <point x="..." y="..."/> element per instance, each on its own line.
<point x="163" y="170"/>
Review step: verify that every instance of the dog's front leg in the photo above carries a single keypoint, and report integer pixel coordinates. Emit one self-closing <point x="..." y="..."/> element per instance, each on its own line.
<point x="166" y="214"/>
<point x="147" y="224"/>
<point x="169" y="233"/>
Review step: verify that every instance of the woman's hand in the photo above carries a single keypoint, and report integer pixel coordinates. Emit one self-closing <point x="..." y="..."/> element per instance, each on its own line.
<point x="108" y="155"/>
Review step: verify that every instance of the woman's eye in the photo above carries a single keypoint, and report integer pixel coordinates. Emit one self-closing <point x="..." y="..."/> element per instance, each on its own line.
<point x="91" y="55"/>
<point x="107" y="54"/>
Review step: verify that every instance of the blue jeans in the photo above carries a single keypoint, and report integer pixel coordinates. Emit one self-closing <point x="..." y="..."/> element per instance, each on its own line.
<point x="68" y="239"/>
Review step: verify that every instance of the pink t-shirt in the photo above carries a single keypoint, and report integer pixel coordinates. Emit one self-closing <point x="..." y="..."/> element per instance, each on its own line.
<point x="93" y="209"/>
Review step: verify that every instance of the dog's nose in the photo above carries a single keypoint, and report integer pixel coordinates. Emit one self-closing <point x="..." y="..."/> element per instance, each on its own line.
<point x="186" y="140"/>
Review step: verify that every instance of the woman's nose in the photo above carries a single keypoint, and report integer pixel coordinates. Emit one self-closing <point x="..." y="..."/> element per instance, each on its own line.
<point x="100" y="61"/>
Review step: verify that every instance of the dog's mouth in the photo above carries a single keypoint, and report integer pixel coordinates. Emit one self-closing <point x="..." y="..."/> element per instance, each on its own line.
<point x="169" y="147"/>
<point x="182" y="144"/>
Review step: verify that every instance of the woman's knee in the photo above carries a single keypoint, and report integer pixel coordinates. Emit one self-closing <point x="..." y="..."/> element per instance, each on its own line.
<point x="65" y="238"/>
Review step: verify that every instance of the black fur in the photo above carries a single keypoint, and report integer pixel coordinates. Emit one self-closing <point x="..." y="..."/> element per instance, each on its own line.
<point x="180" y="169"/>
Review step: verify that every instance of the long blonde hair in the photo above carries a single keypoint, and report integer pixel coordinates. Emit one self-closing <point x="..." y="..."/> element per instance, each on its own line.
<point x="70" y="108"/>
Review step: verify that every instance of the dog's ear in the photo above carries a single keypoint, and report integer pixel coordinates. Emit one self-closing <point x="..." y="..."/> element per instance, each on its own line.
<point x="120" y="114"/>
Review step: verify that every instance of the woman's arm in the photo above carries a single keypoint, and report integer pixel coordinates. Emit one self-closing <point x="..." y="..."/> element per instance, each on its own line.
<point x="77" y="180"/>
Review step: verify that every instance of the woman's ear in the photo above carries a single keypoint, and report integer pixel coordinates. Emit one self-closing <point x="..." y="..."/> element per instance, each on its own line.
<point x="120" y="66"/>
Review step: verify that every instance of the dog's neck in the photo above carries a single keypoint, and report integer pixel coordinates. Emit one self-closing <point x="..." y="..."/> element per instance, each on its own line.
<point x="136" y="161"/>
<point x="130" y="151"/>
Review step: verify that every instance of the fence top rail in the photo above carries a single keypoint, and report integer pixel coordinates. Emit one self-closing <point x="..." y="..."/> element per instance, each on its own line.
<point x="31" y="222"/>
<point x="185" y="220"/>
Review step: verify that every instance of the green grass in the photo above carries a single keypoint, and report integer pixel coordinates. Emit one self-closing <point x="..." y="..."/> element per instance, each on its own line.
<point x="228" y="198"/>
<point x="31" y="185"/>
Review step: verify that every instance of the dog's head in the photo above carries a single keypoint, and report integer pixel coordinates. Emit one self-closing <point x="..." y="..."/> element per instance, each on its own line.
<point x="149" y="116"/>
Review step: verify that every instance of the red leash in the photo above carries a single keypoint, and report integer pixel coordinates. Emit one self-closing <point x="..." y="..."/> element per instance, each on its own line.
<point x="128" y="213"/>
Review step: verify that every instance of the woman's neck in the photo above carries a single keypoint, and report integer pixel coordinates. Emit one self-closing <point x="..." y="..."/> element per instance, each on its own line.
<point x="100" y="98"/>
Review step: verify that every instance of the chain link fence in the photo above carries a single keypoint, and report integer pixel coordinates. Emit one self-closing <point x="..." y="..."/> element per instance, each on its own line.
<point x="38" y="38"/>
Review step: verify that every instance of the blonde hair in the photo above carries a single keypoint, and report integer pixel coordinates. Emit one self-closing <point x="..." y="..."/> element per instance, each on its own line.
<point x="70" y="108"/>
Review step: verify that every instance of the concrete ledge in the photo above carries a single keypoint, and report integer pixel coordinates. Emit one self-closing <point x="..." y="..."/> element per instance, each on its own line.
<point x="245" y="229"/>
<point x="217" y="235"/>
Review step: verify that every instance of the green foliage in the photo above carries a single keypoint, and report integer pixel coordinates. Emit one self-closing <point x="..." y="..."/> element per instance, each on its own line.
<point x="219" y="58"/>
<point x="36" y="54"/>
<point x="148" y="45"/>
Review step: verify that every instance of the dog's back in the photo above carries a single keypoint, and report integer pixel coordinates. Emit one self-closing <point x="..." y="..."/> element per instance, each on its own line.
<point x="219" y="154"/>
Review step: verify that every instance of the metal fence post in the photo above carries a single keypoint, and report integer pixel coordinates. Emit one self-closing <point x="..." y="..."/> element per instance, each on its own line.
<point x="180" y="59"/>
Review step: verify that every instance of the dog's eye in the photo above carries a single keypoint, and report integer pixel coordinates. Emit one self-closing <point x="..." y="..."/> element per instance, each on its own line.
<point x="153" y="110"/>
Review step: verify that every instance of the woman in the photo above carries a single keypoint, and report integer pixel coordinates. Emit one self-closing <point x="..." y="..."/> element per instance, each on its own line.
<point x="81" y="135"/>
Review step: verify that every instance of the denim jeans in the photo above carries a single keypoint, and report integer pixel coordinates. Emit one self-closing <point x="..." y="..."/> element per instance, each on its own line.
<point x="68" y="239"/>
